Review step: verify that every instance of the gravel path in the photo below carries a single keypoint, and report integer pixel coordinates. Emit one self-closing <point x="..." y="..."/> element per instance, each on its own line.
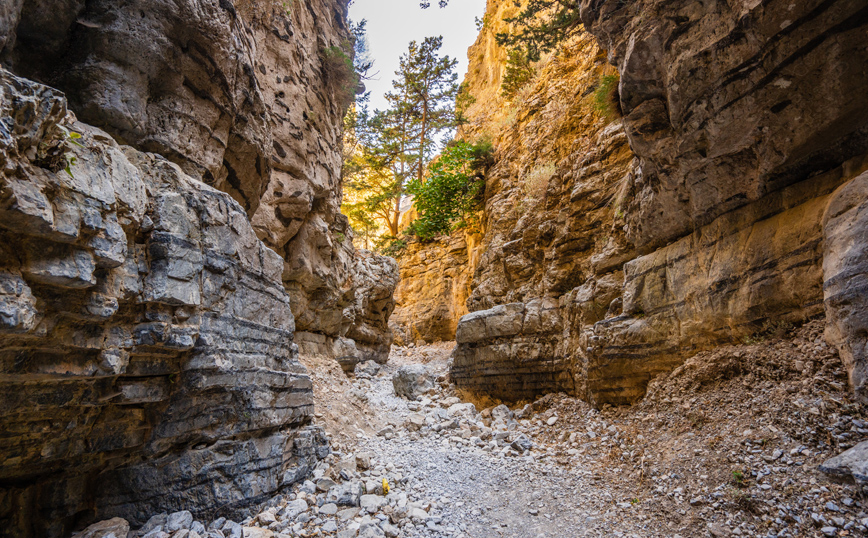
<point x="479" y="493"/>
<point x="727" y="445"/>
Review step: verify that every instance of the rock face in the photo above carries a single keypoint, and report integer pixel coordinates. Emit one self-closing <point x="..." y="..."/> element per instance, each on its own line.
<point x="742" y="121"/>
<point x="237" y="95"/>
<point x="435" y="284"/>
<point x="845" y="270"/>
<point x="130" y="293"/>
<point x="149" y="295"/>
<point x="725" y="203"/>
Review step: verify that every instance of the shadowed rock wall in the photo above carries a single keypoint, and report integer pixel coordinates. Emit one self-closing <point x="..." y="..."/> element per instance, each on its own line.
<point x="149" y="296"/>
<point x="146" y="351"/>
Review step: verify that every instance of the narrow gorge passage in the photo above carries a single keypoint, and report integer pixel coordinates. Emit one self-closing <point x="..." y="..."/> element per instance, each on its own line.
<point x="728" y="445"/>
<point x="282" y="269"/>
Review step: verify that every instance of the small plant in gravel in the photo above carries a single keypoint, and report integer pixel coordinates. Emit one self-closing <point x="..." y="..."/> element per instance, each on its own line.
<point x="738" y="478"/>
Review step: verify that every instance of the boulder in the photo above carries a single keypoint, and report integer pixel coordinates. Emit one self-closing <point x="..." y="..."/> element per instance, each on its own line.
<point x="367" y="369"/>
<point x="850" y="465"/>
<point x="110" y="528"/>
<point x="411" y="381"/>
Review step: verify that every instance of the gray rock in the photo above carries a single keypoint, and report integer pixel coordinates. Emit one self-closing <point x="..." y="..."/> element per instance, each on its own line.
<point x="347" y="494"/>
<point x="347" y="513"/>
<point x="232" y="530"/>
<point x="294" y="508"/>
<point x="390" y="530"/>
<point x="364" y="460"/>
<point x="367" y="369"/>
<point x="851" y="464"/>
<point x="411" y="381"/>
<point x="845" y="274"/>
<point x="501" y="413"/>
<point x="179" y="520"/>
<point x="325" y="484"/>
<point x="158" y="520"/>
<point x="328" y="509"/>
<point x="522" y="443"/>
<point x="371" y="503"/>
<point x="110" y="528"/>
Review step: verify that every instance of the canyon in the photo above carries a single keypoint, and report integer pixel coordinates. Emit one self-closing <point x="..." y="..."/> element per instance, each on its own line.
<point x="673" y="233"/>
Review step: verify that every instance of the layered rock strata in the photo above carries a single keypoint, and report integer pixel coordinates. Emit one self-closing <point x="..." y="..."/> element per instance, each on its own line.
<point x="147" y="355"/>
<point x="744" y="119"/>
<point x="238" y="95"/>
<point x="738" y="215"/>
<point x="150" y="292"/>
<point x="433" y="291"/>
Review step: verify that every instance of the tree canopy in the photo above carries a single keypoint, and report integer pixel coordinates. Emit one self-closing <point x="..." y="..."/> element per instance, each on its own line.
<point x="394" y="145"/>
<point x="539" y="27"/>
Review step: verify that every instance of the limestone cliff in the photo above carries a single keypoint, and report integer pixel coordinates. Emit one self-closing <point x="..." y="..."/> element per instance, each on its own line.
<point x="723" y="204"/>
<point x="155" y="269"/>
<point x="434" y="287"/>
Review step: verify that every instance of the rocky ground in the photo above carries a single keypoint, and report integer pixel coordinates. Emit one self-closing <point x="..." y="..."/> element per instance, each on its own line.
<point x="727" y="445"/>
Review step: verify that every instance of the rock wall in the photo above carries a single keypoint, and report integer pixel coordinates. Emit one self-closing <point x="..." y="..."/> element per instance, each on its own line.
<point x="723" y="204"/>
<point x="150" y="293"/>
<point x="744" y="121"/>
<point x="240" y="99"/>
<point x="130" y="295"/>
<point x="434" y="287"/>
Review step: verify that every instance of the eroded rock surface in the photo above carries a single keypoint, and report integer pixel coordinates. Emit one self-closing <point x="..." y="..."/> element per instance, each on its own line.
<point x="432" y="294"/>
<point x="149" y="295"/>
<point x="845" y="270"/>
<point x="236" y="94"/>
<point x="695" y="220"/>
<point x="131" y="294"/>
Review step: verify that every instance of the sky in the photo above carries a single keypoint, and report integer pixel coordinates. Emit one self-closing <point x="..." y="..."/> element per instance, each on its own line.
<point x="392" y="24"/>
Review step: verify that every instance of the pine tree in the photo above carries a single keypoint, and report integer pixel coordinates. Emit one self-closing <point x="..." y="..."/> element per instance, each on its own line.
<point x="427" y="84"/>
<point x="541" y="26"/>
<point x="537" y="28"/>
<point x="396" y="145"/>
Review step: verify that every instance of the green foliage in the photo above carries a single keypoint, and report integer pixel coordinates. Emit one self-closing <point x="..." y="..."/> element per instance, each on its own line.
<point x="453" y="189"/>
<point x="347" y="64"/>
<point x="361" y="221"/>
<point x="541" y="26"/>
<point x="463" y="101"/>
<point x="607" y="100"/>
<point x="391" y="146"/>
<point x="390" y="246"/>
<point x="337" y="65"/>
<point x="519" y="72"/>
<point x="259" y="9"/>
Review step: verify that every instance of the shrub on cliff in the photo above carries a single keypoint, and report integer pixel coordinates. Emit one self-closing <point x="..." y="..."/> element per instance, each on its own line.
<point x="607" y="99"/>
<point x="539" y="27"/>
<point x="519" y="72"/>
<point x="345" y="66"/>
<point x="453" y="189"/>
